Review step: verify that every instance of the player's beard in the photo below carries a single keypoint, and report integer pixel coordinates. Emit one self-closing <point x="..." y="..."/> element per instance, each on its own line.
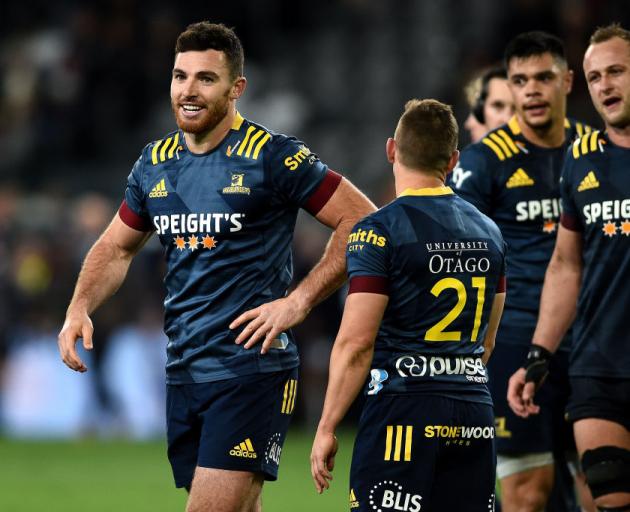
<point x="214" y="114"/>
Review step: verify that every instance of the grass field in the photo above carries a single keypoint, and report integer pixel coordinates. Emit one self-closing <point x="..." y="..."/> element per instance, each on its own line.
<point x="118" y="476"/>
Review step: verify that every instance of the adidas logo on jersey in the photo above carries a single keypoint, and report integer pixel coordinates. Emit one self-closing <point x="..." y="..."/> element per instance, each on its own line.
<point x="159" y="190"/>
<point x="589" y="182"/>
<point x="244" y="449"/>
<point x="519" y="179"/>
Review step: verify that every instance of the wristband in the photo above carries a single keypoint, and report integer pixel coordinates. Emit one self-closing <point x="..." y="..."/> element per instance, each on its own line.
<point x="537" y="364"/>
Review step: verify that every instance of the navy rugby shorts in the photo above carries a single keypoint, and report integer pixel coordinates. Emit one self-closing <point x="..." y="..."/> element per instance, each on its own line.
<point x="600" y="397"/>
<point x="236" y="424"/>
<point x="544" y="432"/>
<point x="423" y="452"/>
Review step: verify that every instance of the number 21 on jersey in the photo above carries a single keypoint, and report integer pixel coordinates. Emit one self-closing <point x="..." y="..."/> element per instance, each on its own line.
<point x="438" y="332"/>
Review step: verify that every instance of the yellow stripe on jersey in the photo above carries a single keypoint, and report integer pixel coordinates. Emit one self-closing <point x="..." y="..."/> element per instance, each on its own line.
<point x="579" y="128"/>
<point x="587" y="128"/>
<point x="245" y="140"/>
<point x="398" y="446"/>
<point x="284" y="400"/>
<point x="252" y="141"/>
<point x="494" y="148"/>
<point x="584" y="144"/>
<point x="508" y="140"/>
<point x="567" y="123"/>
<point x="502" y="144"/>
<point x="174" y="146"/>
<point x="576" y="148"/>
<point x="164" y="148"/>
<point x="594" y="138"/>
<point x="388" y="442"/>
<point x="292" y="406"/>
<point x="154" y="158"/>
<point x="260" y="145"/>
<point x="513" y="126"/>
<point x="408" y="441"/>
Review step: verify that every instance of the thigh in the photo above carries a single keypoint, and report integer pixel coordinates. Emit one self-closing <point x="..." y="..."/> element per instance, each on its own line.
<point x="224" y="491"/>
<point x="465" y="473"/>
<point x="245" y="426"/>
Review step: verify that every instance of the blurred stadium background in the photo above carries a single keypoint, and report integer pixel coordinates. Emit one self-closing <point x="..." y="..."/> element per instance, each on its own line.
<point x="83" y="87"/>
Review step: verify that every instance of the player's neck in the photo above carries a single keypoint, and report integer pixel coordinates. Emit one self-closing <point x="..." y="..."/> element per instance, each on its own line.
<point x="207" y="141"/>
<point x="619" y="136"/>
<point x="406" y="178"/>
<point x="547" y="137"/>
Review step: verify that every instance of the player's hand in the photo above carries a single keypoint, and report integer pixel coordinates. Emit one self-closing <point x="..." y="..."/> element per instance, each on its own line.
<point x="76" y="326"/>
<point x="268" y="321"/>
<point x="521" y="395"/>
<point x="325" y="448"/>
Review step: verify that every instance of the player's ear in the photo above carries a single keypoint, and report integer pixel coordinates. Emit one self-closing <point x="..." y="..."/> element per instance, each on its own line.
<point x="452" y="161"/>
<point x="238" y="87"/>
<point x="568" y="81"/>
<point x="390" y="150"/>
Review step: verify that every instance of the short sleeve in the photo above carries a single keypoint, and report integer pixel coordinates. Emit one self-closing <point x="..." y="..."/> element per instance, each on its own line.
<point x="570" y="218"/>
<point x="300" y="176"/>
<point x="132" y="210"/>
<point x="472" y="178"/>
<point x="367" y="256"/>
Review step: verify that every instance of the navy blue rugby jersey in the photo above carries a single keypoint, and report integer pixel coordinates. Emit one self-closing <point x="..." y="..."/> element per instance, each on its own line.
<point x="596" y="202"/>
<point x="440" y="261"/>
<point x="517" y="184"/>
<point x="225" y="219"/>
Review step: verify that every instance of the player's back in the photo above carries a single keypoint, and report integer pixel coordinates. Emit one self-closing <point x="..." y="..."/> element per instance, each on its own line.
<point x="442" y="263"/>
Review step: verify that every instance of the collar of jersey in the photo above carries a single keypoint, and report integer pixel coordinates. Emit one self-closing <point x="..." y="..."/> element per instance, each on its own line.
<point x="431" y="191"/>
<point x="238" y="121"/>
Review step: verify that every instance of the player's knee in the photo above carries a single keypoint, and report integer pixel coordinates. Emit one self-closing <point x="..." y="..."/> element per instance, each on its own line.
<point x="607" y="472"/>
<point x="525" y="496"/>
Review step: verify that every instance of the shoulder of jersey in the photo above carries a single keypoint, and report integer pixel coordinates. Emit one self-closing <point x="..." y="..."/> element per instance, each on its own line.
<point x="590" y="143"/>
<point x="502" y="143"/>
<point x="161" y="150"/>
<point x="251" y="139"/>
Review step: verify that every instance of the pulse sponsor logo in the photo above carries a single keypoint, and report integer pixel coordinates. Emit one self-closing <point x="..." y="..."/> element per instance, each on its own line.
<point x="458" y="432"/>
<point x="274" y="449"/>
<point x="390" y="495"/>
<point x="472" y="368"/>
<point x="182" y="223"/>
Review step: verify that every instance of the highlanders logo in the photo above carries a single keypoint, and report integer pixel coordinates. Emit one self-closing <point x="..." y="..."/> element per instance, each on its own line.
<point x="236" y="185"/>
<point x="390" y="495"/>
<point x="274" y="449"/>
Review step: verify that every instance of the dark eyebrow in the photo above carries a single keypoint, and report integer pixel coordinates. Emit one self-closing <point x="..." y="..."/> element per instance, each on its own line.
<point x="544" y="74"/>
<point x="210" y="74"/>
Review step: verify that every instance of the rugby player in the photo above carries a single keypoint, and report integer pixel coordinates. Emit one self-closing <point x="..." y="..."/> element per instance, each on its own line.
<point x="513" y="175"/>
<point x="222" y="194"/>
<point x="587" y="280"/>
<point x="490" y="102"/>
<point x="426" y="293"/>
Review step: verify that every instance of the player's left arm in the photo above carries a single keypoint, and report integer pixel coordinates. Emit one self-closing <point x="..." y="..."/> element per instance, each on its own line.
<point x="349" y="366"/>
<point x="341" y="212"/>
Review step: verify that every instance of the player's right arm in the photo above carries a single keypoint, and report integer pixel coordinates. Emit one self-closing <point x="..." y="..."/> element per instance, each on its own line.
<point x="558" y="304"/>
<point x="102" y="273"/>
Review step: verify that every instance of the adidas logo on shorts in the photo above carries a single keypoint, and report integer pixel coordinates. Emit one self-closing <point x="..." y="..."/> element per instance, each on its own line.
<point x="244" y="449"/>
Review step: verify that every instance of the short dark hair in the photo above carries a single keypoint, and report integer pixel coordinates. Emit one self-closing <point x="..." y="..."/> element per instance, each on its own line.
<point x="533" y="44"/>
<point x="426" y="136"/>
<point x="204" y="35"/>
<point x="603" y="34"/>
